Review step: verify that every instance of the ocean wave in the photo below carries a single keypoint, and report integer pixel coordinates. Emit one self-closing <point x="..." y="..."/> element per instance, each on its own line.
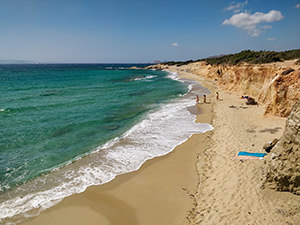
<point x="157" y="134"/>
<point x="173" y="76"/>
<point x="147" y="78"/>
<point x="4" y="111"/>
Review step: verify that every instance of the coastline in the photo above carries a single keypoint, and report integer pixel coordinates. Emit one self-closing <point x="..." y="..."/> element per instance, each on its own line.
<point x="197" y="183"/>
<point x="163" y="184"/>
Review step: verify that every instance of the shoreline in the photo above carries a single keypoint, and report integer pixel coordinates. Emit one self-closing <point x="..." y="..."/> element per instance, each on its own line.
<point x="120" y="155"/>
<point x="196" y="183"/>
<point x="111" y="193"/>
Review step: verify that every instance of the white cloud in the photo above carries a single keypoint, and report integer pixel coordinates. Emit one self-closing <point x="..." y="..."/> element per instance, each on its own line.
<point x="175" y="44"/>
<point x="250" y="22"/>
<point x="271" y="39"/>
<point x="236" y="7"/>
<point x="297" y="6"/>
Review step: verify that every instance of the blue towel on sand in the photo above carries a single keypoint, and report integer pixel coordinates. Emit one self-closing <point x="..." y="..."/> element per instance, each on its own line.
<point x="252" y="154"/>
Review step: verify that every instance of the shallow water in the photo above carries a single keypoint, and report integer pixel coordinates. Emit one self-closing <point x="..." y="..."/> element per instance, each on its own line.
<point x="66" y="128"/>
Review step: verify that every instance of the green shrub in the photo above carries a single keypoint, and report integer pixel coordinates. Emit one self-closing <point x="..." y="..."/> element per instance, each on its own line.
<point x="248" y="56"/>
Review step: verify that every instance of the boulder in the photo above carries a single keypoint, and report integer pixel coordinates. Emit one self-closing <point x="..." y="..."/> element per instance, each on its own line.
<point x="282" y="169"/>
<point x="251" y="101"/>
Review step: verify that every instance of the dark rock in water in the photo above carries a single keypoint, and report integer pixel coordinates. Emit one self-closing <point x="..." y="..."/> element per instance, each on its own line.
<point x="112" y="127"/>
<point x="286" y="72"/>
<point x="139" y="93"/>
<point x="282" y="170"/>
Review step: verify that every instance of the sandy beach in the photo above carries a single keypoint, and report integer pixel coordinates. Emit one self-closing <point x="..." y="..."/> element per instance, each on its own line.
<point x="198" y="183"/>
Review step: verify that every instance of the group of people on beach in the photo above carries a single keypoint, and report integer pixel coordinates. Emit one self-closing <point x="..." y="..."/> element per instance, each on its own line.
<point x="204" y="98"/>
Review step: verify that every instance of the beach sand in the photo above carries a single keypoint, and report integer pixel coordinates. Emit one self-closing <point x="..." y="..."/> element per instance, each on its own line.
<point x="197" y="183"/>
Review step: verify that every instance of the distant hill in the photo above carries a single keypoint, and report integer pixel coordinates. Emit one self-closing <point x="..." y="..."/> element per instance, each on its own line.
<point x="248" y="56"/>
<point x="16" y="62"/>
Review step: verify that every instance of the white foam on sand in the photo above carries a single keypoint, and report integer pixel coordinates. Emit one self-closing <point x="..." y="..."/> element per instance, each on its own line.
<point x="157" y="134"/>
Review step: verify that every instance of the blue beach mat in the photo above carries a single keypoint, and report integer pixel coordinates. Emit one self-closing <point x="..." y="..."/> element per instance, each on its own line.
<point x="251" y="154"/>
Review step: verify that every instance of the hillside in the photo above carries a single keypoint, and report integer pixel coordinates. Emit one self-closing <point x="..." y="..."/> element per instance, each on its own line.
<point x="246" y="56"/>
<point x="274" y="85"/>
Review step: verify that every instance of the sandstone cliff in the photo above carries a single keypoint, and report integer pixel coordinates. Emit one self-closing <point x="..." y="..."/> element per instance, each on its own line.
<point x="282" y="170"/>
<point x="275" y="85"/>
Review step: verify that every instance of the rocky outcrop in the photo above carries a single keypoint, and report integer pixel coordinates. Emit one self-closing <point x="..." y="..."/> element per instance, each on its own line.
<point x="285" y="92"/>
<point x="275" y="85"/>
<point x="282" y="169"/>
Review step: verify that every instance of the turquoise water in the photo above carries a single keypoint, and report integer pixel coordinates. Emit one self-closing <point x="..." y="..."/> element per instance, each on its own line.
<point x="64" y="128"/>
<point x="51" y="115"/>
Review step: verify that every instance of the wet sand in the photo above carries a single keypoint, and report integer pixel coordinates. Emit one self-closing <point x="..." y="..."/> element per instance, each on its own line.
<point x="160" y="192"/>
<point x="197" y="183"/>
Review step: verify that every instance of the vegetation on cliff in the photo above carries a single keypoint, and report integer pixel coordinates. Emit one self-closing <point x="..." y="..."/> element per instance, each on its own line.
<point x="248" y="56"/>
<point x="254" y="57"/>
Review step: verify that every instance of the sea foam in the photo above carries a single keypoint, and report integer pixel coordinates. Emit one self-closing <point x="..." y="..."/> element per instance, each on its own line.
<point x="157" y="134"/>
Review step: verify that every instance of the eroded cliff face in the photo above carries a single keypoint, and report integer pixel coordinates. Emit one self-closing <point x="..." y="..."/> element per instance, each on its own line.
<point x="282" y="169"/>
<point x="275" y="85"/>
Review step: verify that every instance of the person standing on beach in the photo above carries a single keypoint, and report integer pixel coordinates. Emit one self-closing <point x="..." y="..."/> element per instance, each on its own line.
<point x="217" y="96"/>
<point x="197" y="99"/>
<point x="204" y="99"/>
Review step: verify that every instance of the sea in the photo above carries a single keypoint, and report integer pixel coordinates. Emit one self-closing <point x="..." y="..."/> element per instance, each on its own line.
<point x="65" y="127"/>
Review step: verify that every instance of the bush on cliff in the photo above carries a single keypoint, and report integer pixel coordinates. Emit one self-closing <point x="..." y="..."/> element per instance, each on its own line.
<point x="248" y="56"/>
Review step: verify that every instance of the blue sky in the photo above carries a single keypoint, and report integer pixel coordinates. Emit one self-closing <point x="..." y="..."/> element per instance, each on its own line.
<point x="143" y="31"/>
